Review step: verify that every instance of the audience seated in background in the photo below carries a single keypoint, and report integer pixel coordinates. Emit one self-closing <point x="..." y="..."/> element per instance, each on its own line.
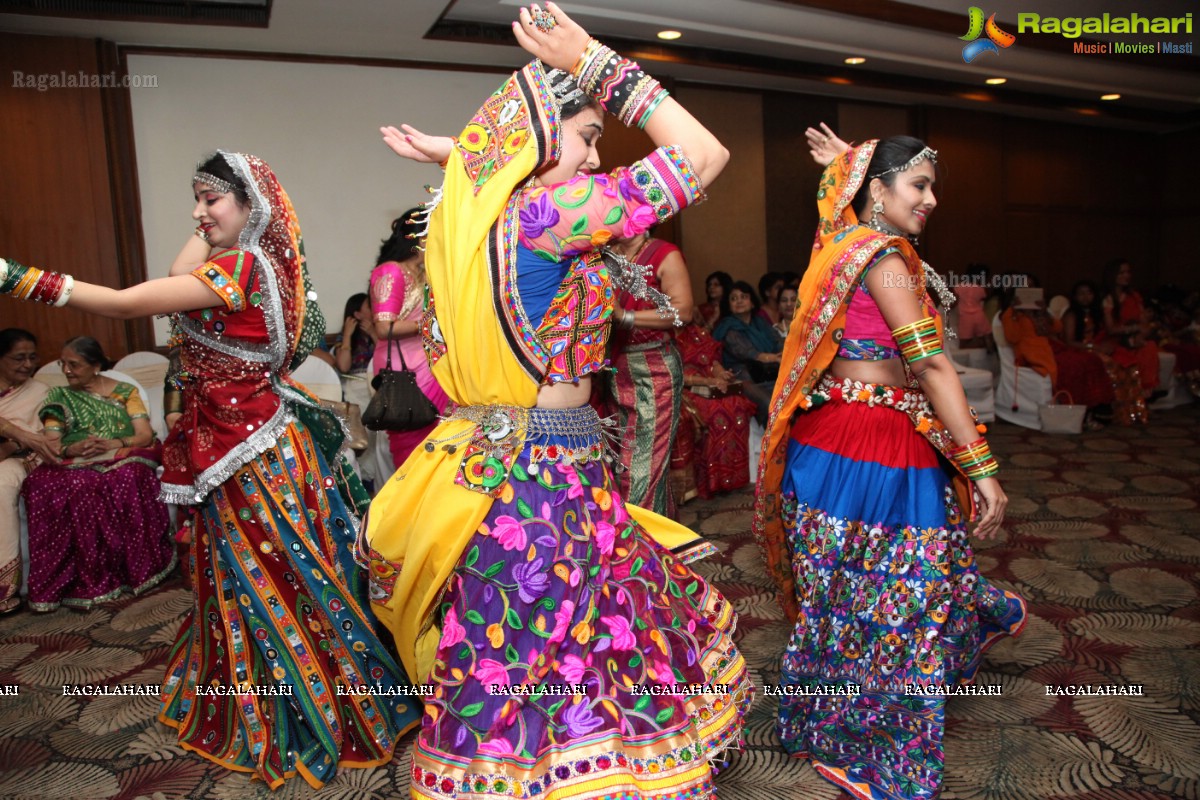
<point x="768" y="289"/>
<point x="752" y="347"/>
<point x="22" y="445"/>
<point x="716" y="286"/>
<point x="712" y="446"/>
<point x="96" y="525"/>
<point x="974" y="327"/>
<point x="788" y="296"/>
<point x="1126" y="323"/>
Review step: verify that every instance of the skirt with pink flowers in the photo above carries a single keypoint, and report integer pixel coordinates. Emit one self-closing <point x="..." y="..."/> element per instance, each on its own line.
<point x="578" y="658"/>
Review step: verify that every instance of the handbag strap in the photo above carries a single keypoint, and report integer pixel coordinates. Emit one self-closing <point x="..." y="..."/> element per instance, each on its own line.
<point x="1070" y="399"/>
<point x="399" y="352"/>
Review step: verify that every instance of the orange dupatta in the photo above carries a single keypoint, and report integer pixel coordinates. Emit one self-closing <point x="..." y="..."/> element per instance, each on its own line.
<point x="841" y="251"/>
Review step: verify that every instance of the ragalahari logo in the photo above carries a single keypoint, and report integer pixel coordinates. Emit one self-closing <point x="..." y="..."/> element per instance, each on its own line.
<point x="995" y="40"/>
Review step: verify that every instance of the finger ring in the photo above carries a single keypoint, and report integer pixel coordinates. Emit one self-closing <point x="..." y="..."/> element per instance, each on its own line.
<point x="543" y="21"/>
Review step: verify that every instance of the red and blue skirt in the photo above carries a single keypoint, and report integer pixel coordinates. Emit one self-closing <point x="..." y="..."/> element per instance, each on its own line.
<point x="893" y="611"/>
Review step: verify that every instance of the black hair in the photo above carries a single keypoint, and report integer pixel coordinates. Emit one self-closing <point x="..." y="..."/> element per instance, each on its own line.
<point x="738" y="286"/>
<point x="11" y="337"/>
<point x="1096" y="309"/>
<point x="218" y="167"/>
<point x="353" y="304"/>
<point x="1110" y="275"/>
<point x="722" y="278"/>
<point x="891" y="153"/>
<point x="89" y="350"/>
<point x="769" y="280"/>
<point x="403" y="242"/>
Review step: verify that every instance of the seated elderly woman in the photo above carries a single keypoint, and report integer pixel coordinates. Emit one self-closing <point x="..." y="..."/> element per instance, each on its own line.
<point x="96" y="525"/>
<point x="21" y="445"/>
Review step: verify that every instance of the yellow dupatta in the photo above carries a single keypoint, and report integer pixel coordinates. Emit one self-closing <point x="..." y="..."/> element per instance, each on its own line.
<point x="422" y="520"/>
<point x="841" y="251"/>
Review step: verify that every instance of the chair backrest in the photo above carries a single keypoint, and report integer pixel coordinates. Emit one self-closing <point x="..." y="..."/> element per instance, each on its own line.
<point x="1058" y="306"/>
<point x="51" y="374"/>
<point x="150" y="370"/>
<point x="998" y="335"/>
<point x="319" y="378"/>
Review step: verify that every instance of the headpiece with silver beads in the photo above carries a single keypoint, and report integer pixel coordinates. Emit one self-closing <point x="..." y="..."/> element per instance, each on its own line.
<point x="213" y="182"/>
<point x="563" y="87"/>
<point x="927" y="153"/>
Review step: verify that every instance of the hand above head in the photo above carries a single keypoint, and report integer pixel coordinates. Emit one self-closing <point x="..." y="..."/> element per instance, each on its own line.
<point x="412" y="144"/>
<point x="824" y="144"/>
<point x="550" y="35"/>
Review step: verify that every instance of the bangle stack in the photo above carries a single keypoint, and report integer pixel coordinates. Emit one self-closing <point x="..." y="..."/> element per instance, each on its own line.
<point x="31" y="283"/>
<point x="918" y="340"/>
<point x="628" y="320"/>
<point x="975" y="459"/>
<point x="618" y="84"/>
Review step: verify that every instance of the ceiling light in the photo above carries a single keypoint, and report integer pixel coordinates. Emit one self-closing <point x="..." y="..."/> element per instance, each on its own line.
<point x="996" y="81"/>
<point x="1110" y="97"/>
<point x="855" y="61"/>
<point x="669" y="35"/>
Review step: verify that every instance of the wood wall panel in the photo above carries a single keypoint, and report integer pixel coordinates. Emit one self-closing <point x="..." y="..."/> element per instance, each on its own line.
<point x="57" y="208"/>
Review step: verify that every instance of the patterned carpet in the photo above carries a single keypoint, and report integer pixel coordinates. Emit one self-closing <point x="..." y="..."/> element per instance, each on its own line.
<point x="1101" y="539"/>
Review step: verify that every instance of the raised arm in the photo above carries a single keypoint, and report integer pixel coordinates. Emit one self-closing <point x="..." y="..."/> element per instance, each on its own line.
<point x="560" y="42"/>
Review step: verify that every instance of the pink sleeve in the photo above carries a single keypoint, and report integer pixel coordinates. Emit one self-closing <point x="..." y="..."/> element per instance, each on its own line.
<point x="587" y="211"/>
<point x="387" y="291"/>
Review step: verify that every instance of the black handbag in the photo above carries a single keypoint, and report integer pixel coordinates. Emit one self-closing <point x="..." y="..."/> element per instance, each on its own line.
<point x="398" y="403"/>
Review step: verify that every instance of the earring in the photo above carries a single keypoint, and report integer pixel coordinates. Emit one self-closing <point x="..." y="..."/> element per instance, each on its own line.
<point x="877" y="208"/>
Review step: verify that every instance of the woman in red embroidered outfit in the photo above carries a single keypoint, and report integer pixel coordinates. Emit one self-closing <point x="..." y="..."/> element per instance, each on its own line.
<point x="647" y="380"/>
<point x="512" y="574"/>
<point x="855" y="510"/>
<point x="265" y="674"/>
<point x="1125" y="322"/>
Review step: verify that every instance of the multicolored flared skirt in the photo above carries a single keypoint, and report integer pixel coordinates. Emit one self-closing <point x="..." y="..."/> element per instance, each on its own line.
<point x="277" y="670"/>
<point x="578" y="658"/>
<point x="892" y="607"/>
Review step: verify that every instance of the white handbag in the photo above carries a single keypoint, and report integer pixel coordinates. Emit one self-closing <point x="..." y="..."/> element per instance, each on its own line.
<point x="1062" y="417"/>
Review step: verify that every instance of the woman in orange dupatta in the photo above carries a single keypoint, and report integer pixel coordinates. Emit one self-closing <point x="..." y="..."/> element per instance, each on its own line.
<point x="856" y="509"/>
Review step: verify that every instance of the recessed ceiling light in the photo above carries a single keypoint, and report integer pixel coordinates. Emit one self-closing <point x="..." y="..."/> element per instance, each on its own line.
<point x="996" y="81"/>
<point x="669" y="35"/>
<point x="855" y="61"/>
<point x="1110" y="97"/>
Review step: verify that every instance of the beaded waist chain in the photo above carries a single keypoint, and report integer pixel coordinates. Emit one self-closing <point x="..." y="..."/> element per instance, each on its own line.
<point x="569" y="435"/>
<point x="873" y="394"/>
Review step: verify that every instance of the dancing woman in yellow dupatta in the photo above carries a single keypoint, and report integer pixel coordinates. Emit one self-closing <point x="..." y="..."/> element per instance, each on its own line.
<point x="570" y="651"/>
<point x="856" y="510"/>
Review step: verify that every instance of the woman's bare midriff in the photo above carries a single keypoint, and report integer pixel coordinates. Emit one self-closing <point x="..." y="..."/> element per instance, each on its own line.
<point x="889" y="372"/>
<point x="565" y="395"/>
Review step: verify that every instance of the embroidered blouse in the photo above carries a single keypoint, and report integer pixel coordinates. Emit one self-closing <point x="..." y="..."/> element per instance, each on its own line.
<point x="554" y="293"/>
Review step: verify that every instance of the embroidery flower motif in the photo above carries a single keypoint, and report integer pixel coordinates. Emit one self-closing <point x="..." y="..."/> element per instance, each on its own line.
<point x="572" y="668"/>
<point x="580" y="719"/>
<point x="562" y="619"/>
<point x="606" y="536"/>
<point x="622" y="635"/>
<point x="538" y="215"/>
<point x="452" y="631"/>
<point x="509" y="533"/>
<point x="532" y="582"/>
<point x="490" y="671"/>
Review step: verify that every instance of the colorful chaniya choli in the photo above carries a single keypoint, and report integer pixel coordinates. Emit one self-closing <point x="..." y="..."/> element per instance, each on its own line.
<point x="277" y="670"/>
<point x="571" y="650"/>
<point x="862" y="522"/>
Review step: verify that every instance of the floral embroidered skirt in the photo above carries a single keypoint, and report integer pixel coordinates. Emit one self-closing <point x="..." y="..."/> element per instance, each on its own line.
<point x="890" y="598"/>
<point x="578" y="658"/>
<point x="277" y="669"/>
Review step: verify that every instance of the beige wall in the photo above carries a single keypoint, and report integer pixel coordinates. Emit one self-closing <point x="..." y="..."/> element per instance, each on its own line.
<point x="727" y="232"/>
